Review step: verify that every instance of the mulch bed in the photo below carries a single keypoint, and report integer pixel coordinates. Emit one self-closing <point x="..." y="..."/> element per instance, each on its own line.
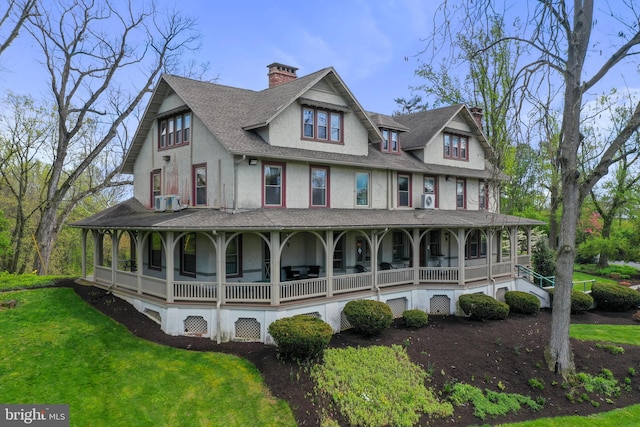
<point x="484" y="354"/>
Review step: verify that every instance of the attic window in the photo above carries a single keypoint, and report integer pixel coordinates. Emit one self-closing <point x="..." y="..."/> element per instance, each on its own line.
<point x="390" y="141"/>
<point x="324" y="105"/>
<point x="456" y="147"/>
<point x="321" y="125"/>
<point x="174" y="130"/>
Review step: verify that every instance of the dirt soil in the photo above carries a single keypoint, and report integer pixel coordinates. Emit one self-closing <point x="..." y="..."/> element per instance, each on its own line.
<point x="495" y="355"/>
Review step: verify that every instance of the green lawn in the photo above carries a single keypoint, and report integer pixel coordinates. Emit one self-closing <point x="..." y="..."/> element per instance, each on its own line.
<point x="582" y="277"/>
<point x="57" y="349"/>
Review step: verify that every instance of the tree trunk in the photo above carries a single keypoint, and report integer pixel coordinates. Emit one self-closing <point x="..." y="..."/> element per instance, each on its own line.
<point x="607" y="223"/>
<point x="46" y="235"/>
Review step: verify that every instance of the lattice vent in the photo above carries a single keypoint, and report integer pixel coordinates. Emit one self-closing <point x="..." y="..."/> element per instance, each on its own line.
<point x="196" y="326"/>
<point x="344" y="322"/>
<point x="247" y="329"/>
<point x="153" y="314"/>
<point x="440" y="304"/>
<point x="398" y="306"/>
<point x="314" y="314"/>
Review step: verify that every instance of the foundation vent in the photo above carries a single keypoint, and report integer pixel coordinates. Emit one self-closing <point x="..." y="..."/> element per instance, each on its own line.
<point x="247" y="329"/>
<point x="397" y="306"/>
<point x="195" y="326"/>
<point x="440" y="304"/>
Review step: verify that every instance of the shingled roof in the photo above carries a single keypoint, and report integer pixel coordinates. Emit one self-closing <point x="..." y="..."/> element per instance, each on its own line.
<point x="131" y="214"/>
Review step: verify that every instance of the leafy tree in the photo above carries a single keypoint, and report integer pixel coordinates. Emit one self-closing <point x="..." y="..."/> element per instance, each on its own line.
<point x="543" y="259"/>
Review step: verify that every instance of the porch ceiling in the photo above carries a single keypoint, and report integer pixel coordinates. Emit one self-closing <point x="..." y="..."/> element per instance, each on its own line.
<point x="131" y="214"/>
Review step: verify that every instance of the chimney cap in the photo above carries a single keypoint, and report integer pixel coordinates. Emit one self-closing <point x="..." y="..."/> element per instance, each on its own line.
<point x="281" y="67"/>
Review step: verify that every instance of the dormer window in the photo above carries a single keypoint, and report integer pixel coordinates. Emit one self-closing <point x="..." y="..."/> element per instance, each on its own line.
<point x="456" y="147"/>
<point x="390" y="142"/>
<point x="321" y="125"/>
<point x="174" y="130"/>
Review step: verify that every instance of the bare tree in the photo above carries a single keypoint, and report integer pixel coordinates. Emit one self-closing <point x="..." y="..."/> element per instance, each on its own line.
<point x="102" y="62"/>
<point x="12" y="19"/>
<point x="558" y="41"/>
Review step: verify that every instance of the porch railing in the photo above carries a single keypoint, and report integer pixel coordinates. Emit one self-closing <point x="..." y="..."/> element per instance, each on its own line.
<point x="524" y="259"/>
<point x="474" y="273"/>
<point x="352" y="282"/>
<point x="195" y="291"/>
<point x="305" y="288"/>
<point x="501" y="269"/>
<point x="398" y="276"/>
<point x="439" y="275"/>
<point x="154" y="286"/>
<point x="257" y="292"/>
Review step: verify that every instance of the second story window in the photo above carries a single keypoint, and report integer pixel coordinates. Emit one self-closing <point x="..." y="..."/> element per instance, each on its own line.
<point x="483" y="195"/>
<point x="461" y="194"/>
<point x="321" y="125"/>
<point x="319" y="186"/>
<point x="404" y="190"/>
<point x="362" y="189"/>
<point x="431" y="188"/>
<point x="456" y="147"/>
<point x="156" y="185"/>
<point x="390" y="141"/>
<point x="174" y="130"/>
<point x="200" y="185"/>
<point x="273" y="182"/>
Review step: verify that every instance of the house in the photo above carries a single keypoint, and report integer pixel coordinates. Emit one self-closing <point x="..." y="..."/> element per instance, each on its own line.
<point x="250" y="206"/>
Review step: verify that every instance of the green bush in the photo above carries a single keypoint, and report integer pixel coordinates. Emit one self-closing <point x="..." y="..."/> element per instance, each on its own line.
<point x="580" y="302"/>
<point x="483" y="307"/>
<point x="543" y="259"/>
<point x="615" y="297"/>
<point x="415" y="318"/>
<point x="301" y="337"/>
<point x="368" y="317"/>
<point x="522" y="302"/>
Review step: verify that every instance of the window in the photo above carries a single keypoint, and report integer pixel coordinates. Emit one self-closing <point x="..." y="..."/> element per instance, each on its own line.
<point x="188" y="255"/>
<point x="321" y="125"/>
<point x="431" y="187"/>
<point x="400" y="246"/>
<point x="362" y="189"/>
<point x="362" y="250"/>
<point x="456" y="146"/>
<point x="476" y="246"/>
<point x="319" y="186"/>
<point x="200" y="185"/>
<point x="461" y="194"/>
<point x="156" y="185"/>
<point x="232" y="257"/>
<point x="155" y="251"/>
<point x="174" y="130"/>
<point x="273" y="179"/>
<point x="434" y="243"/>
<point x="483" y="195"/>
<point x="389" y="141"/>
<point x="404" y="190"/>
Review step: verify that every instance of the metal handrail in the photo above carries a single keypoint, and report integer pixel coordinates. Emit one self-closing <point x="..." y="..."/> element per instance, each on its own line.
<point x="536" y="278"/>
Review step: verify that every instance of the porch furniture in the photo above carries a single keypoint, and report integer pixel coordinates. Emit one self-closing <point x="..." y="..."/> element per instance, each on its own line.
<point x="386" y="266"/>
<point x="291" y="274"/>
<point x="314" y="271"/>
<point x="360" y="268"/>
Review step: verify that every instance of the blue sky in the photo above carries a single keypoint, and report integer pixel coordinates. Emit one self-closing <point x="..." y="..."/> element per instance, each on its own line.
<point x="365" y="41"/>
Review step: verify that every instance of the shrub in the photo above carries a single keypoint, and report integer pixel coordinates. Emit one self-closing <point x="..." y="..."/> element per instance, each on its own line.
<point x="368" y="317"/>
<point x="483" y="307"/>
<point x="580" y="302"/>
<point x="543" y="259"/>
<point x="415" y="318"/>
<point x="300" y="337"/>
<point x="615" y="297"/>
<point x="522" y="302"/>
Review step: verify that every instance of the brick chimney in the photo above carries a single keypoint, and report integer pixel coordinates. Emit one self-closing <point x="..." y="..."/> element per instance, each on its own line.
<point x="476" y="112"/>
<point x="280" y="73"/>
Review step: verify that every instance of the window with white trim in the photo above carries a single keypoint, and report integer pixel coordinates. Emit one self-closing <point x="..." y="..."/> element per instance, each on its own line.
<point x="404" y="190"/>
<point x="273" y="184"/>
<point x="319" y="186"/>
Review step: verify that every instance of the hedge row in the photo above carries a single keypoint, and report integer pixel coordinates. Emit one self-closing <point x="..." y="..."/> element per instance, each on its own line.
<point x="483" y="307"/>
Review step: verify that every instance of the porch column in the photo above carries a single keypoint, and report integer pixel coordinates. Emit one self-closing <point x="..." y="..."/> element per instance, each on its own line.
<point x="328" y="262"/>
<point x="513" y="235"/>
<point x="139" y="264"/>
<point x="276" y="252"/>
<point x="115" y="241"/>
<point x="461" y="260"/>
<point x="170" y="251"/>
<point x="529" y="248"/>
<point x="490" y="245"/>
<point x="96" y="258"/>
<point x="415" y="256"/>
<point x="84" y="252"/>
<point x="375" y="243"/>
<point x="221" y="268"/>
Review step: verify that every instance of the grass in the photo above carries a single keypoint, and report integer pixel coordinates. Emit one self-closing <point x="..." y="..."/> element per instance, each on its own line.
<point x="9" y="282"/>
<point x="618" y="417"/>
<point x="57" y="349"/>
<point x="618" y="334"/>
<point x="583" y="277"/>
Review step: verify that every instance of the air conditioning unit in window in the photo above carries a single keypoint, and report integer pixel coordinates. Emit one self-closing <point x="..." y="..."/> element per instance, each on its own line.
<point x="173" y="202"/>
<point x="428" y="201"/>
<point x="159" y="204"/>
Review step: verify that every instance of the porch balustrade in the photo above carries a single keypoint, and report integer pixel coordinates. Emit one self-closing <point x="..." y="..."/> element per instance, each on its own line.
<point x="102" y="274"/>
<point x="400" y="276"/>
<point x="502" y="269"/>
<point x="127" y="280"/>
<point x="524" y="259"/>
<point x="352" y="282"/>
<point x="247" y="292"/>
<point x="439" y="275"/>
<point x="154" y="286"/>
<point x="475" y="273"/>
<point x="195" y="291"/>
<point x="306" y="288"/>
